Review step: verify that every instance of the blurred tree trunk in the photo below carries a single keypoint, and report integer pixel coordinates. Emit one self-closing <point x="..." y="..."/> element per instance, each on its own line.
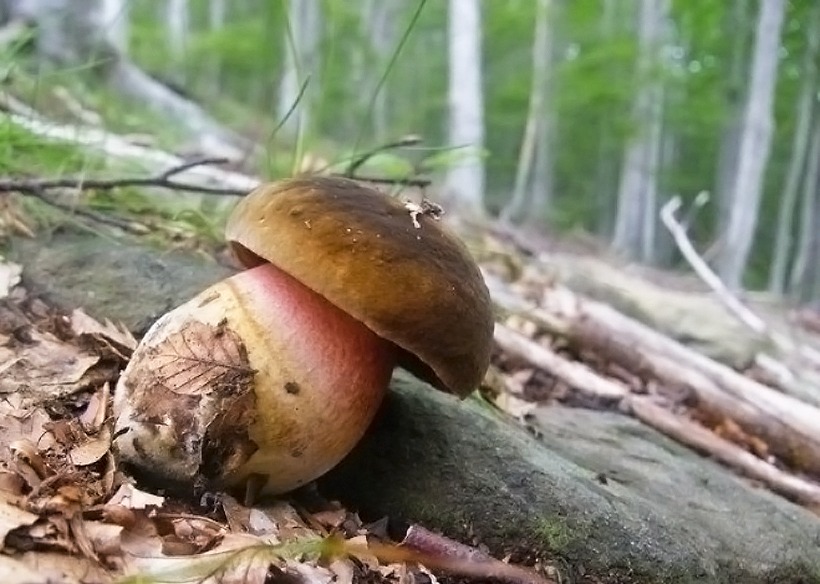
<point x="532" y="192"/>
<point x="606" y="168"/>
<point x="805" y="105"/>
<point x="177" y="21"/>
<point x="754" y="146"/>
<point x="808" y="221"/>
<point x="217" y="14"/>
<point x="737" y="28"/>
<point x="301" y="66"/>
<point x="665" y="248"/>
<point x="464" y="184"/>
<point x="116" y="20"/>
<point x="636" y="217"/>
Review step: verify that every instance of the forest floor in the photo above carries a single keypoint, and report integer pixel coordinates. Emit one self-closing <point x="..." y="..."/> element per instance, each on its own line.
<point x="656" y="416"/>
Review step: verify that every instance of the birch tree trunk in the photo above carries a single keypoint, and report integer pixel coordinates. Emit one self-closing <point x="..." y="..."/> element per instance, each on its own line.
<point x="537" y="129"/>
<point x="464" y="184"/>
<point x="217" y="13"/>
<point x="301" y="65"/>
<point x="177" y="20"/>
<point x="812" y="286"/>
<point x="754" y="146"/>
<point x="115" y="20"/>
<point x="606" y="168"/>
<point x="807" y="227"/>
<point x="736" y="26"/>
<point x="636" y="217"/>
<point x="805" y="104"/>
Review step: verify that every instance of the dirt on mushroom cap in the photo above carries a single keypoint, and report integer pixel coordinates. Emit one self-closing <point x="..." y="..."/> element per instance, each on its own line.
<point x="406" y="277"/>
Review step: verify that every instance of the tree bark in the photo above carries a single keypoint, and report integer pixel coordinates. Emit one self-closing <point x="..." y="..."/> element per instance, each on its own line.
<point x="464" y="184"/>
<point x="811" y="182"/>
<point x="115" y="17"/>
<point x="736" y="26"/>
<point x="800" y="145"/>
<point x="606" y="170"/>
<point x="535" y="143"/>
<point x="217" y="14"/>
<point x="754" y="146"/>
<point x="177" y="20"/>
<point x="636" y="217"/>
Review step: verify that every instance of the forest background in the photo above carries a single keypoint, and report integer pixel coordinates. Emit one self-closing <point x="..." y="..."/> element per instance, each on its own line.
<point x="560" y="116"/>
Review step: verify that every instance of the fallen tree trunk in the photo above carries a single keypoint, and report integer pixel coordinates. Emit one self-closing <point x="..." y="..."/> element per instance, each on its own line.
<point x="671" y="375"/>
<point x="790" y="427"/>
<point x="119" y="147"/>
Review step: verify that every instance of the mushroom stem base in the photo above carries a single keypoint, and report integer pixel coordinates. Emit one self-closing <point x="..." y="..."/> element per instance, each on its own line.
<point x="257" y="375"/>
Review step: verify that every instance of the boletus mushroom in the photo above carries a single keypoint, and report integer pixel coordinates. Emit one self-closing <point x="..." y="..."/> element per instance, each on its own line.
<point x="276" y="372"/>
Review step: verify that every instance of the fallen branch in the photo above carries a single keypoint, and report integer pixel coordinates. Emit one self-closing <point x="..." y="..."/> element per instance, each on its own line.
<point x="118" y="147"/>
<point x="164" y="180"/>
<point x="790" y="427"/>
<point x="672" y="375"/>
<point x="577" y="375"/>
<point x="702" y="269"/>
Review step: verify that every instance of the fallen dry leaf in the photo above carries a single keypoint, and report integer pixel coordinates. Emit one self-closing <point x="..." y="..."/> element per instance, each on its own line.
<point x="92" y="449"/>
<point x="514" y="406"/>
<point x="83" y="324"/>
<point x="96" y="412"/>
<point x="22" y="426"/>
<point x="44" y="368"/>
<point x="9" y="276"/>
<point x="131" y="497"/>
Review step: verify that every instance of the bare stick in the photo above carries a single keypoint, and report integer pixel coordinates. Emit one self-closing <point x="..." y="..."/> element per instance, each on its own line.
<point x="703" y="270"/>
<point x="357" y="162"/>
<point x="36" y="186"/>
<point x="408" y="182"/>
<point x="741" y="311"/>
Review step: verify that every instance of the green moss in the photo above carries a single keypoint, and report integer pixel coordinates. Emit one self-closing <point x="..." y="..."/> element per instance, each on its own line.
<point x="555" y="534"/>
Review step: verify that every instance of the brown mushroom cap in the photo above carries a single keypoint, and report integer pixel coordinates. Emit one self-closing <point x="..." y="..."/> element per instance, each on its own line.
<point x="417" y="287"/>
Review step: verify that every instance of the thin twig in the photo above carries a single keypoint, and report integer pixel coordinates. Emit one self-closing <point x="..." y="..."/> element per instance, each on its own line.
<point x="357" y="162"/>
<point x="408" y="182"/>
<point x="36" y="186"/>
<point x="678" y="232"/>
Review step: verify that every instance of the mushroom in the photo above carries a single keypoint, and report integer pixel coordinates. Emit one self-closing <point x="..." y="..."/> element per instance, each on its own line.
<point x="276" y="372"/>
